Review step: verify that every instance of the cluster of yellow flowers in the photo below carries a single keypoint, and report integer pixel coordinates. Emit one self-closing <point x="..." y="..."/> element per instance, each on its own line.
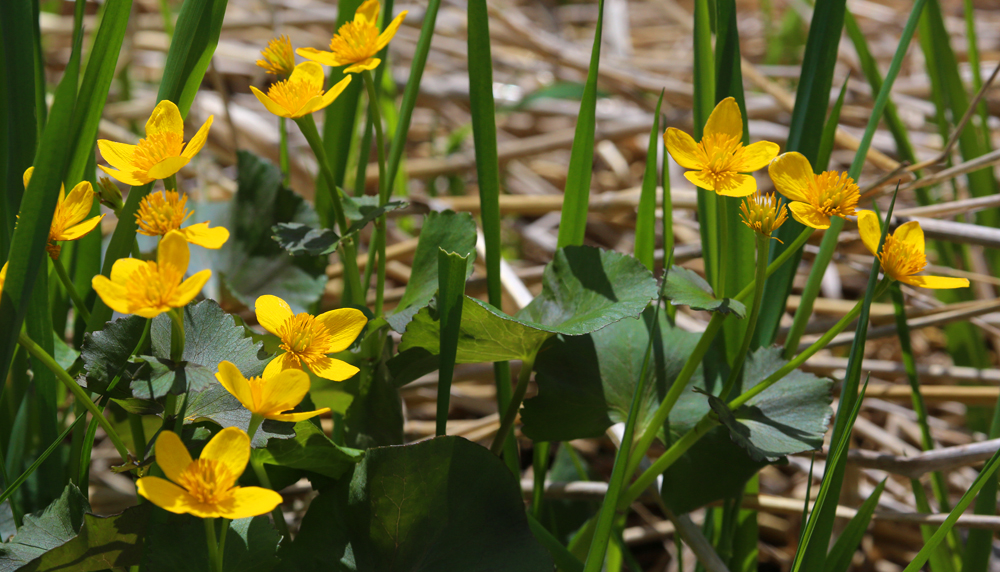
<point x="721" y="163"/>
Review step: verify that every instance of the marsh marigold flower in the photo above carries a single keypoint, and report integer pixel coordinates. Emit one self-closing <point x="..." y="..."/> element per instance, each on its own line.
<point x="902" y="253"/>
<point x="161" y="154"/>
<point x="763" y="214"/>
<point x="308" y="339"/>
<point x="147" y="288"/>
<point x="357" y="42"/>
<point x="161" y="213"/>
<point x="279" y="58"/>
<point x="206" y="487"/>
<point x="300" y="94"/>
<point x="69" y="221"/>
<point x="814" y="198"/>
<point x="719" y="162"/>
<point x="269" y="396"/>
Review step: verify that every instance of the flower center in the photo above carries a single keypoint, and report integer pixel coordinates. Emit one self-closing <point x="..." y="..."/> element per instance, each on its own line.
<point x="901" y="259"/>
<point x="160" y="213"/>
<point x="355" y="41"/>
<point x="835" y="194"/>
<point x="207" y="480"/>
<point x="152" y="286"/>
<point x="763" y="214"/>
<point x="305" y="337"/>
<point x="155" y="148"/>
<point x="292" y="95"/>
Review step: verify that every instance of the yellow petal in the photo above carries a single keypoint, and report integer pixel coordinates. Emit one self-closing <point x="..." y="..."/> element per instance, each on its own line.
<point x="198" y="141"/>
<point x="165" y="494"/>
<point x="171" y="455"/>
<point x="298" y="416"/>
<point x="127" y="177"/>
<point x="332" y="369"/>
<point x="314" y="104"/>
<point x="231" y="448"/>
<point x="272" y="312"/>
<point x="150" y="311"/>
<point x="332" y="93"/>
<point x="189" y="289"/>
<point x="166" y="118"/>
<point x="77" y="204"/>
<point x="309" y="72"/>
<point x="809" y="215"/>
<point x="367" y="65"/>
<point x="167" y="167"/>
<point x="683" y="149"/>
<point x="725" y="118"/>
<point x="26" y="177"/>
<point x="173" y="250"/>
<point x="390" y="30"/>
<point x="368" y="11"/>
<point x="737" y="186"/>
<point x="870" y="230"/>
<point x="910" y="233"/>
<point x="936" y="282"/>
<point x="283" y="391"/>
<point x="123" y="268"/>
<point x="234" y="382"/>
<point x="205" y="237"/>
<point x="118" y="155"/>
<point x="112" y="294"/>
<point x="281" y="363"/>
<point x="792" y="176"/>
<point x="249" y="501"/>
<point x="270" y="104"/>
<point x="80" y="230"/>
<point x="344" y="324"/>
<point x="756" y="156"/>
<point x="700" y="180"/>
<point x="325" y="58"/>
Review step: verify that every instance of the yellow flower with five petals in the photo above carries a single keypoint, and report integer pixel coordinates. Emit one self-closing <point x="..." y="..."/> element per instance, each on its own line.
<point x="147" y="288"/>
<point x="279" y="58"/>
<point x="814" y="198"/>
<point x="69" y="221"/>
<point x="306" y="340"/>
<point x="206" y="487"/>
<point x="161" y="213"/>
<point x="269" y="396"/>
<point x="161" y="154"/>
<point x="357" y="42"/>
<point x="300" y="94"/>
<point x="902" y="253"/>
<point x="719" y="162"/>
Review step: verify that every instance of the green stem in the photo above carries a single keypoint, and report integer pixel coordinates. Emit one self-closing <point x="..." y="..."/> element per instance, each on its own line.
<point x="777" y="262"/>
<point x="540" y="466"/>
<point x="813" y="284"/>
<point x="222" y="540"/>
<point x="763" y="243"/>
<point x="255" y="420"/>
<point x="348" y="249"/>
<point x="214" y="557"/>
<point x="277" y="513"/>
<point x="176" y="335"/>
<point x="170" y="183"/>
<point x="384" y="191"/>
<point x="78" y="303"/>
<point x="138" y="434"/>
<point x="523" y="377"/>
<point x="283" y="160"/>
<point x="680" y="446"/>
<point x="42" y="356"/>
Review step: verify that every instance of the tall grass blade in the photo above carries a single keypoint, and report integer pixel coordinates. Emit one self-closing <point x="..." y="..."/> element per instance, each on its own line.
<point x="843" y="550"/>
<point x="451" y="294"/>
<point x="576" y="195"/>
<point x="645" y="222"/>
<point x="830" y="127"/>
<point x="704" y="102"/>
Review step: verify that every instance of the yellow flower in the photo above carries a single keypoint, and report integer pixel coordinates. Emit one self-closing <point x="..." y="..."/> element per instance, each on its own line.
<point x="815" y="198"/>
<point x="279" y="58"/>
<point x="269" y="395"/>
<point x="160" y="213"/>
<point x="763" y="214"/>
<point x="903" y="253"/>
<point x="719" y="161"/>
<point x="206" y="487"/>
<point x="300" y="94"/>
<point x="68" y="220"/>
<point x="148" y="289"/>
<point x="357" y="42"/>
<point x="308" y="339"/>
<point x="161" y="154"/>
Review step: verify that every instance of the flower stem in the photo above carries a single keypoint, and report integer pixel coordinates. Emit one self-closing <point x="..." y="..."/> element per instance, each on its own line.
<point x="777" y="262"/>
<point x="523" y="377"/>
<point x="170" y="183"/>
<point x="378" y="243"/>
<point x="255" y="421"/>
<point x="176" y="335"/>
<point x="214" y="556"/>
<point x="277" y="514"/>
<point x="283" y="160"/>
<point x="348" y="249"/>
<point x="760" y="277"/>
<point x="78" y="303"/>
<point x="81" y="396"/>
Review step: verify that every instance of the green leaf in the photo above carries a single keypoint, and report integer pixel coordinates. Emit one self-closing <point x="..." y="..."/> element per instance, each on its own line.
<point x="303" y="240"/>
<point x="158" y="377"/>
<point x="210" y="337"/>
<point x="685" y="288"/>
<point x="217" y="405"/>
<point x="443" y="505"/>
<point x="106" y="352"/>
<point x="452" y="271"/>
<point x="311" y="450"/>
<point x="645" y="222"/>
<point x="839" y="559"/>
<point x="455" y="232"/>
<point x="196" y="35"/>
<point x="177" y="542"/>
<point x="375" y="417"/>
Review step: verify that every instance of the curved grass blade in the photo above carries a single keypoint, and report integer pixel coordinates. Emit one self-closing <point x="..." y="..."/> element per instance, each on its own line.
<point x="645" y="223"/>
<point x="843" y="550"/>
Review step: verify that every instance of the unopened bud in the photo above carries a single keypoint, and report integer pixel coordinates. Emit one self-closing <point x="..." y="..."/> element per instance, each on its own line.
<point x="763" y="213"/>
<point x="110" y="194"/>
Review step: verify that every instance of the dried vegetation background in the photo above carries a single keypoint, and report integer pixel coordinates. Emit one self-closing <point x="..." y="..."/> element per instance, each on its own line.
<point x="541" y="51"/>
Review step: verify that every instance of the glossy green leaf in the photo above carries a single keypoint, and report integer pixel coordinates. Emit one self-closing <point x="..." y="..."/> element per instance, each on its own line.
<point x="375" y="417"/>
<point x="106" y="352"/>
<point x="158" y="376"/>
<point x="443" y="505"/>
<point x="177" y="542"/>
<point x="310" y="450"/>
<point x="304" y="240"/>
<point x="686" y="288"/>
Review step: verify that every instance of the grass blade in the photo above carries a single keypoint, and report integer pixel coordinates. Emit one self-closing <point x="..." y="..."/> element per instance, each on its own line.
<point x="645" y="223"/>
<point x="843" y="550"/>
<point x="451" y="294"/>
<point x="576" y="195"/>
<point x="704" y="102"/>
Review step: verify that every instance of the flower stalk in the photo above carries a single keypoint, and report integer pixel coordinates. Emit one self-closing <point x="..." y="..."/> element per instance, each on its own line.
<point x="759" y="278"/>
<point x="214" y="554"/>
<point x="383" y="190"/>
<point x="78" y="303"/>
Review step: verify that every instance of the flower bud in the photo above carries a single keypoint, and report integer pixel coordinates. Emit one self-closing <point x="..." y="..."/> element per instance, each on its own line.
<point x="763" y="213"/>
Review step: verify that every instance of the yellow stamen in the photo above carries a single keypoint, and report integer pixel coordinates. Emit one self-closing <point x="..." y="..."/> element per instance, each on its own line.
<point x="155" y="148"/>
<point x="279" y="58"/>
<point x="763" y="214"/>
<point x="835" y="194"/>
<point x="355" y="41"/>
<point x="305" y="338"/>
<point x="292" y="95"/>
<point x="153" y="285"/>
<point x="207" y="480"/>
<point x="160" y="213"/>
<point x="901" y="259"/>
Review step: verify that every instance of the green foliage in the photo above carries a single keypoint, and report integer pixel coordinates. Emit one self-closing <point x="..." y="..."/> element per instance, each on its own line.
<point x="210" y="337"/>
<point x="177" y="542"/>
<point x="441" y="505"/>
<point x="839" y="559"/>
<point x="303" y="240"/>
<point x="375" y="417"/>
<point x="685" y="288"/>
<point x="310" y="450"/>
